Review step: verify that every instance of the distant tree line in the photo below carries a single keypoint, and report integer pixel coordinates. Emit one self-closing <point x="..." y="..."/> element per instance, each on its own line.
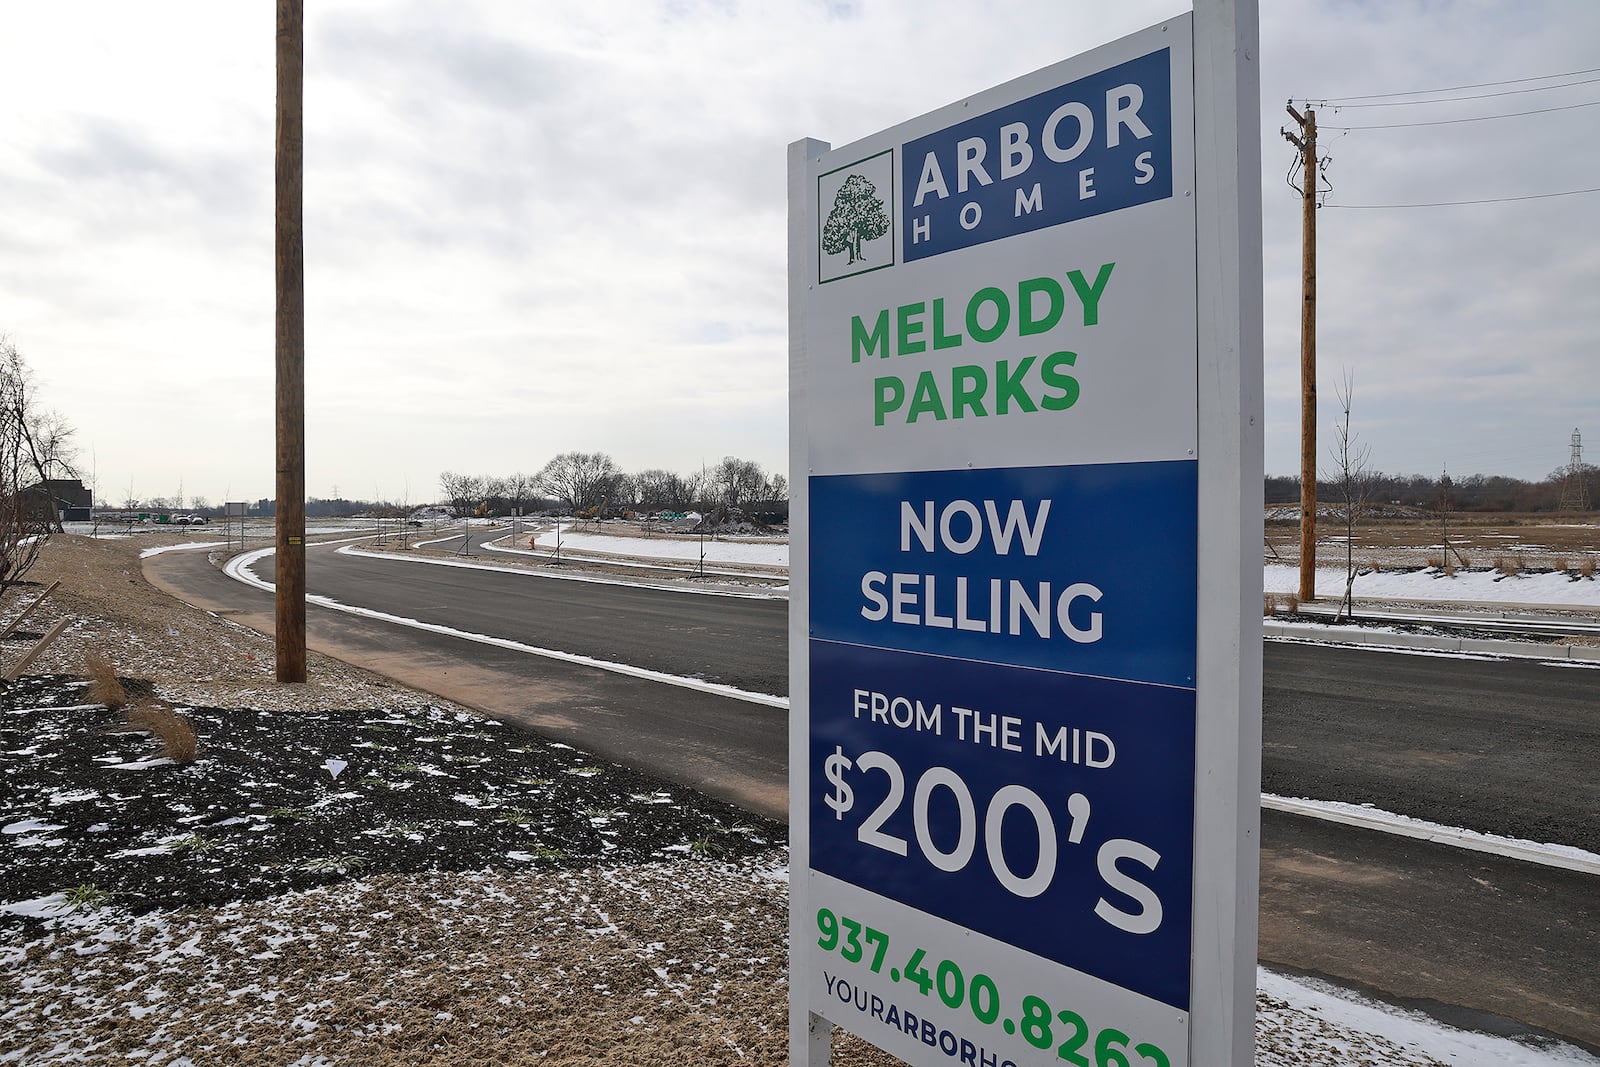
<point x="1472" y="492"/>
<point x="580" y="481"/>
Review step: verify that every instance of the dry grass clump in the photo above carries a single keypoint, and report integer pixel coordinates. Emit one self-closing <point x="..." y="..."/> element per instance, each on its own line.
<point x="176" y="733"/>
<point x="1510" y="565"/>
<point x="1434" y="563"/>
<point x="1272" y="603"/>
<point x="1559" y="564"/>
<point x="104" y="686"/>
<point x="1586" y="568"/>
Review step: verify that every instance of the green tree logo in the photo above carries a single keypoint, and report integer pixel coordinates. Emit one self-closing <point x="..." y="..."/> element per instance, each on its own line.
<point x="857" y="215"/>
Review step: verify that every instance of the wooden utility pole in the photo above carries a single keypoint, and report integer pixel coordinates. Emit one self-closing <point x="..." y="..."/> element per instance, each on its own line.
<point x="291" y="350"/>
<point x="1309" y="172"/>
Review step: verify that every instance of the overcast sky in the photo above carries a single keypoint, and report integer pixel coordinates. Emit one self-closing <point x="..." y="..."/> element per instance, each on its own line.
<point x="531" y="228"/>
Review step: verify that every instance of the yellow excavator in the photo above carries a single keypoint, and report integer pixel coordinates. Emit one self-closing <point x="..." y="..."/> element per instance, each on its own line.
<point x="596" y="512"/>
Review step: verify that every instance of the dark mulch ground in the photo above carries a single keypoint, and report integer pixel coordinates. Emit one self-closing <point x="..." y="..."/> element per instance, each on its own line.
<point x="85" y="812"/>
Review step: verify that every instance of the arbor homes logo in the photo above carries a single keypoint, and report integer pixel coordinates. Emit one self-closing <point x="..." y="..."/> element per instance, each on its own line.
<point x="855" y="210"/>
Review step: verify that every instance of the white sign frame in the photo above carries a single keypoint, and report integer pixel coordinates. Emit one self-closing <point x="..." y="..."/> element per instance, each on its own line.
<point x="1228" y="666"/>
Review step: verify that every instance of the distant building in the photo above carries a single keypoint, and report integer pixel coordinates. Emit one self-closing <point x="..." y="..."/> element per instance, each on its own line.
<point x="65" y="498"/>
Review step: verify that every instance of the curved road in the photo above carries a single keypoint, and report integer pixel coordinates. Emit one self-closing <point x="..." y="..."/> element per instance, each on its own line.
<point x="1500" y="746"/>
<point x="733" y="640"/>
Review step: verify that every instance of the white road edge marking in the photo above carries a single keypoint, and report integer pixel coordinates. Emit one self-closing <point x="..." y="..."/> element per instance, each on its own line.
<point x="238" y="569"/>
<point x="1550" y="855"/>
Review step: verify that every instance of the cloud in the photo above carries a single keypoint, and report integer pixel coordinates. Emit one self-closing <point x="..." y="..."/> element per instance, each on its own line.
<point x="532" y="228"/>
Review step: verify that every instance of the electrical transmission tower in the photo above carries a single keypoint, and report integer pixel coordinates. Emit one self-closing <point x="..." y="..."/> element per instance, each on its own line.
<point x="1575" y="490"/>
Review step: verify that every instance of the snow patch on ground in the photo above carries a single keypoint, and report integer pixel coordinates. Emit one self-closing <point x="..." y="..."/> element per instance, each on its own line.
<point x="1293" y="1015"/>
<point x="188" y="546"/>
<point x="1555" y="589"/>
<point x="723" y="978"/>
<point x="682" y="550"/>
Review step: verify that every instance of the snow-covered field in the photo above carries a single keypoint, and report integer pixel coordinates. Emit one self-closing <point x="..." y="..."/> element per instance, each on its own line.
<point x="1556" y="590"/>
<point x="1487" y="586"/>
<point x="682" y="550"/>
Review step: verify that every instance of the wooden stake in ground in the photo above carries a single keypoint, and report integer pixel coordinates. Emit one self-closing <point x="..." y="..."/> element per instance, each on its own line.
<point x="16" y="622"/>
<point x="43" y="643"/>
<point x="291" y="351"/>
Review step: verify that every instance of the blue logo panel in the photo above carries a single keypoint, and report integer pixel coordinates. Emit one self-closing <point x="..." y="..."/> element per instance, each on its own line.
<point x="1089" y="569"/>
<point x="1095" y="145"/>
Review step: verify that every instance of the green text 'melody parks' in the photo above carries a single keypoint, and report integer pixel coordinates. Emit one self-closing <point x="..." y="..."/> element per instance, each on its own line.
<point x="1034" y="307"/>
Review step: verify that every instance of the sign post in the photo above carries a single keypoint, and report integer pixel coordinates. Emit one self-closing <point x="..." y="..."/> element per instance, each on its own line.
<point x="1025" y="465"/>
<point x="234" y="509"/>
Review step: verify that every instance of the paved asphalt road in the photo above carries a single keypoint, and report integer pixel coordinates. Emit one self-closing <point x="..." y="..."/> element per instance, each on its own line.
<point x="1503" y="747"/>
<point x="737" y="641"/>
<point x="1453" y="741"/>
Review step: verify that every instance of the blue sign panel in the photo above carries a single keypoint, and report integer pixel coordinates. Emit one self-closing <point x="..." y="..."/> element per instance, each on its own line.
<point x="1098" y="144"/>
<point x="1049" y="811"/>
<point x="1002" y="705"/>
<point x="1088" y="569"/>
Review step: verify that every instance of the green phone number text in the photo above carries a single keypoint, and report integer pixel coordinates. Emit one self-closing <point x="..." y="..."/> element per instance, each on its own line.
<point x="1036" y="1022"/>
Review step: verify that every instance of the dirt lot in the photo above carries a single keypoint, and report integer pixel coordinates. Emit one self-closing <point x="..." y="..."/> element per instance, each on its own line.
<point x="1402" y="539"/>
<point x="568" y="946"/>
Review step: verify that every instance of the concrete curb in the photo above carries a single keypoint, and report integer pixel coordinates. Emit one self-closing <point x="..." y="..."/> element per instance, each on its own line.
<point x="1434" y="642"/>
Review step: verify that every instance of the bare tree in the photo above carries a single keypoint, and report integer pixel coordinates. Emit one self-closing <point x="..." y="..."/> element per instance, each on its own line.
<point x="461" y="491"/>
<point x="35" y="447"/>
<point x="625" y="490"/>
<point x="494" y="495"/>
<point x="50" y="444"/>
<point x="735" y="481"/>
<point x="1445" y="485"/>
<point x="691" y="490"/>
<point x="1353" y="473"/>
<point x="662" y="490"/>
<point x="580" y="479"/>
<point x="518" y="490"/>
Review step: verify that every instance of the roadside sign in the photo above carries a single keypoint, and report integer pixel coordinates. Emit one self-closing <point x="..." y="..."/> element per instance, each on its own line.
<point x="1015" y="482"/>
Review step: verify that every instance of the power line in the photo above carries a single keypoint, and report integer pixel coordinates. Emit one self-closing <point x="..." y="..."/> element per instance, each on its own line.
<point x="1475" y="118"/>
<point x="1457" y="99"/>
<point x="1463" y="203"/>
<point x="1457" y="88"/>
